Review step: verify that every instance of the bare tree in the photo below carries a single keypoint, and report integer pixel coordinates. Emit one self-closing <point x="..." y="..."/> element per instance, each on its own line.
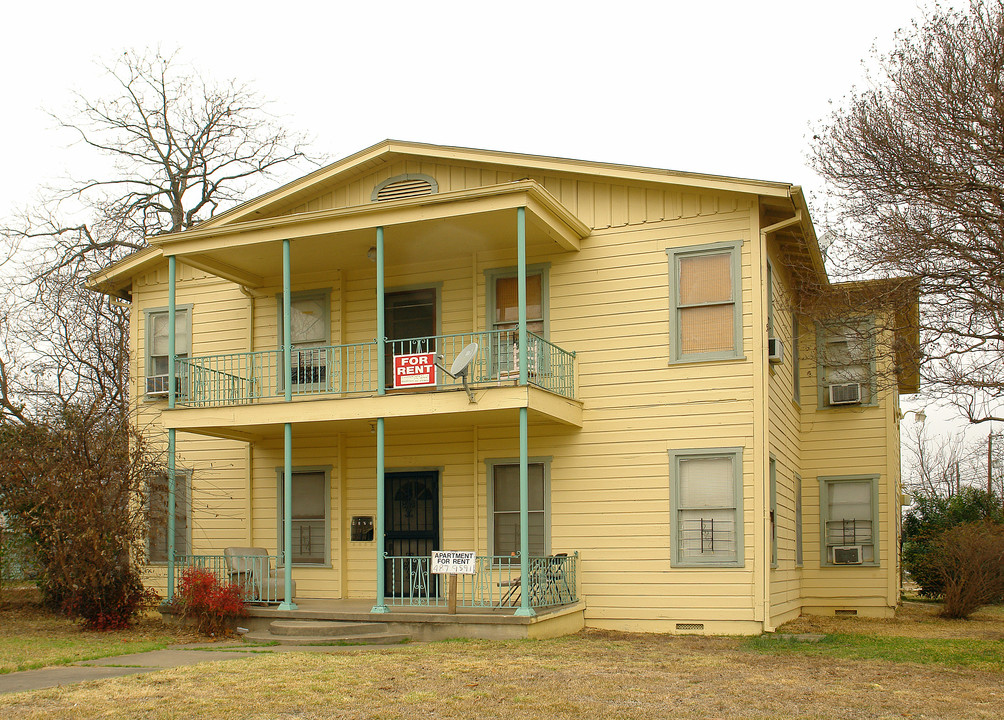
<point x="915" y="167"/>
<point x="941" y="465"/>
<point x="72" y="469"/>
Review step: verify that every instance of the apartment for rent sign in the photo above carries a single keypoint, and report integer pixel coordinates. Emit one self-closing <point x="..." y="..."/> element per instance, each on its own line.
<point x="415" y="370"/>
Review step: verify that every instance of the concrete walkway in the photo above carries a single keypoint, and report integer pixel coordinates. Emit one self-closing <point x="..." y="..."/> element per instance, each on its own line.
<point x="144" y="662"/>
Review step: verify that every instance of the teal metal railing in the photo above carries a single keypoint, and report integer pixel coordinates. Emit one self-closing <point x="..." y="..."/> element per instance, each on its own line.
<point x="244" y="378"/>
<point x="258" y="575"/>
<point x="496" y="582"/>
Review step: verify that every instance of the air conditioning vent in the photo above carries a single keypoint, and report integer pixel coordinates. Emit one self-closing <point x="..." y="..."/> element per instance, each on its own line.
<point x="845" y="394"/>
<point x="159" y="385"/>
<point x="847" y="555"/>
<point x="775" y="350"/>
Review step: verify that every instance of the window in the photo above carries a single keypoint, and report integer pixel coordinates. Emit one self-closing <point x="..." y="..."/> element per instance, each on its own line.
<point x="845" y="360"/>
<point x="706" y="507"/>
<point x="773" y="512"/>
<point x="310" y="330"/>
<point x="848" y="508"/>
<point x="503" y="316"/>
<point x="706" y="321"/>
<point x="503" y="510"/>
<point x="311" y="526"/>
<point x="156" y="345"/>
<point x="798" y="520"/>
<point x="157" y="502"/>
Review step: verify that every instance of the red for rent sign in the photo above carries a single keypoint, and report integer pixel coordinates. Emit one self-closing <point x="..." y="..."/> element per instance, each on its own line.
<point x="415" y="370"/>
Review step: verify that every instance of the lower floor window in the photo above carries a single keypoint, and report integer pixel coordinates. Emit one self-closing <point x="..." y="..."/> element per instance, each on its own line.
<point x="504" y="513"/>
<point x="706" y="501"/>
<point x="849" y="520"/>
<point x="157" y="516"/>
<point x="311" y="501"/>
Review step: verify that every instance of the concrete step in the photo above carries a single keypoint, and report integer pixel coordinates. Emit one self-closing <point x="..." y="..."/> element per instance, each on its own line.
<point x="325" y="632"/>
<point x="381" y="638"/>
<point x="304" y="629"/>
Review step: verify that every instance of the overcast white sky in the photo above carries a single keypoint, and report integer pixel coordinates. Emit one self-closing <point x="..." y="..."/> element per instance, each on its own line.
<point x="726" y="87"/>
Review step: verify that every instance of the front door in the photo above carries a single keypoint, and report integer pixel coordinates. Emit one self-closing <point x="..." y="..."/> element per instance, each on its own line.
<point x="410" y="324"/>
<point x="411" y="530"/>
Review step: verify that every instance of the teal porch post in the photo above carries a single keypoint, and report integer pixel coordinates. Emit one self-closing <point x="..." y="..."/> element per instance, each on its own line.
<point x="287" y="436"/>
<point x="524" y="608"/>
<point x="172" y="280"/>
<point x="381" y="604"/>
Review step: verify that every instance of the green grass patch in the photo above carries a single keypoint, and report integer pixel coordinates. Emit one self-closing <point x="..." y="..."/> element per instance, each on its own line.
<point x="29" y="652"/>
<point x="969" y="653"/>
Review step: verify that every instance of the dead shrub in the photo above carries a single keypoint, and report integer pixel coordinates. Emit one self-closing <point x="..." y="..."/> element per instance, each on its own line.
<point x="969" y="558"/>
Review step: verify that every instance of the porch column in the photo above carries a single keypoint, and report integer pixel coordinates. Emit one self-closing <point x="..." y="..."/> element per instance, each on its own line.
<point x="524" y="608"/>
<point x="171" y="438"/>
<point x="381" y="605"/>
<point x="287" y="436"/>
<point x="287" y="516"/>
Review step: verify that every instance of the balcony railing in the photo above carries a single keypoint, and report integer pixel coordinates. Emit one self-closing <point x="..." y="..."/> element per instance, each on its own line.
<point x="496" y="582"/>
<point x="351" y="369"/>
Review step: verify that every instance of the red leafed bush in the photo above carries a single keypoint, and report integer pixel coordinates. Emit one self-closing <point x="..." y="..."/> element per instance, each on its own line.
<point x="211" y="606"/>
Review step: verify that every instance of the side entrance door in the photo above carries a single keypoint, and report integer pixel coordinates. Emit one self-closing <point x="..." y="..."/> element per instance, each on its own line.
<point x="410" y="324"/>
<point x="411" y="523"/>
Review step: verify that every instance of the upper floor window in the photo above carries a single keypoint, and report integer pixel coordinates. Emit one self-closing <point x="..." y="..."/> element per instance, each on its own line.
<point x="310" y="330"/>
<point x="156" y="346"/>
<point x="503" y="316"/>
<point x="846" y="369"/>
<point x="706" y="320"/>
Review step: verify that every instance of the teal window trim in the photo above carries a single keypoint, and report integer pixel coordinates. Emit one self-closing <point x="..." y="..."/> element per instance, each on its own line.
<point x="297" y="469"/>
<point x="322" y="293"/>
<point x="825" y="483"/>
<point x="185" y="311"/>
<point x="736" y="455"/>
<point x="490" y="465"/>
<point x="796" y="386"/>
<point x="773" y="512"/>
<point x="798" y="521"/>
<point x="676" y="354"/>
<point x="494" y="274"/>
<point x="183" y="482"/>
<point x="864" y="328"/>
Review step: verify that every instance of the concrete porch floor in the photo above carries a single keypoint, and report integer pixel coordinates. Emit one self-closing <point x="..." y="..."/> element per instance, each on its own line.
<point x="422" y="622"/>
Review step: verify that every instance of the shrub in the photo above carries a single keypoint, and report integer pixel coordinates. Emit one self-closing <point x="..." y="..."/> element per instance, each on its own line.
<point x="929" y="519"/>
<point x="212" y="607"/>
<point x="969" y="559"/>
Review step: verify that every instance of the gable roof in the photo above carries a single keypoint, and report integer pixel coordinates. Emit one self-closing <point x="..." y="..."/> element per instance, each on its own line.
<point x="388" y="151"/>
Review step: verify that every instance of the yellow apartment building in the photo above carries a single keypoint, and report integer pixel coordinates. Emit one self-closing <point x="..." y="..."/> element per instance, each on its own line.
<point x="591" y="376"/>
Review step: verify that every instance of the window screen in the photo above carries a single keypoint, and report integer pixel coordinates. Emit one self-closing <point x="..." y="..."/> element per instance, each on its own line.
<point x="706" y="523"/>
<point x="505" y="510"/>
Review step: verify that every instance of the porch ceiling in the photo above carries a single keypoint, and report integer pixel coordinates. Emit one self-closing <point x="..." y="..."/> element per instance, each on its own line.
<point x="416" y="230"/>
<point x="448" y="410"/>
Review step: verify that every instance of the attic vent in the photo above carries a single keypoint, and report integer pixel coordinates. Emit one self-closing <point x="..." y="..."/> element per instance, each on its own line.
<point x="400" y="187"/>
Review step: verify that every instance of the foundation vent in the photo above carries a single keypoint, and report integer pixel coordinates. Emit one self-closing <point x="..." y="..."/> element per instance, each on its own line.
<point x="689" y="626"/>
<point x="845" y="612"/>
<point x="401" y="187"/>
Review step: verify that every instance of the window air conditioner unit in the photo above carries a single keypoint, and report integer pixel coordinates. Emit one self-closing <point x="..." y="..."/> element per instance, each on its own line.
<point x="845" y="394"/>
<point x="847" y="555"/>
<point x="159" y="385"/>
<point x="775" y="350"/>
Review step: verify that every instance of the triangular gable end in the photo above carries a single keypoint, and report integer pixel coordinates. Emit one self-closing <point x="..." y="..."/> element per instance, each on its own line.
<point x="602" y="195"/>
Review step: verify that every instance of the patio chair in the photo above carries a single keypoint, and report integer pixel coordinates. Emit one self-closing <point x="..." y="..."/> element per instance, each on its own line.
<point x="548" y="584"/>
<point x="251" y="568"/>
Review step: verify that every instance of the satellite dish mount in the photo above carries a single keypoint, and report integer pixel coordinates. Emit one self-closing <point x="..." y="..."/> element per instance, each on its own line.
<point x="461" y="366"/>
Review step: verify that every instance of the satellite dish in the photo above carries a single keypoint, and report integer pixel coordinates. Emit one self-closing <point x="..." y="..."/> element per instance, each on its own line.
<point x="463" y="360"/>
<point x="461" y="364"/>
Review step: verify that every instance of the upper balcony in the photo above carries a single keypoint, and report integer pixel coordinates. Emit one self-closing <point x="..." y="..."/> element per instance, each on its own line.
<point x="351" y="369"/>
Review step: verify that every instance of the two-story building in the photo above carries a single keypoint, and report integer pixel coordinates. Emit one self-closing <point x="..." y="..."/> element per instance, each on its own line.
<point x="640" y="430"/>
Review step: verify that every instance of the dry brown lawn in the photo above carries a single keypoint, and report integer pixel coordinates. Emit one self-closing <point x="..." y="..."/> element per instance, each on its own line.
<point x="591" y="675"/>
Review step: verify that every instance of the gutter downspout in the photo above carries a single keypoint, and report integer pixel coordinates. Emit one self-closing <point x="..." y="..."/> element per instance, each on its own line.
<point x="796" y="219"/>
